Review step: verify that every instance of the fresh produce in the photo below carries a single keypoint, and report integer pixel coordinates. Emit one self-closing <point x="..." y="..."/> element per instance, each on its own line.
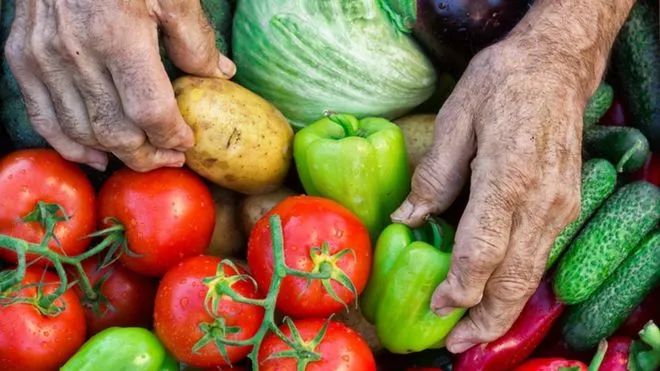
<point x="329" y="346"/>
<point x="361" y="164"/>
<point x="650" y="172"/>
<point x="252" y="208"/>
<point x="648" y="310"/>
<point x="627" y="148"/>
<point x="122" y="348"/>
<point x="192" y="314"/>
<point x="157" y="218"/>
<point x="645" y="352"/>
<point x="313" y="57"/>
<point x="551" y="364"/>
<point x="598" y="104"/>
<point x="616" y="357"/>
<point x="38" y="333"/>
<point x="354" y="319"/>
<point x="320" y="236"/>
<point x="533" y="324"/>
<point x="408" y="266"/>
<point x="609" y="306"/>
<point x="242" y="142"/>
<point x="616" y="115"/>
<point x="635" y="60"/>
<point x="31" y="183"/>
<point x="455" y="30"/>
<point x="616" y="228"/>
<point x="598" y="182"/>
<point x="124" y="298"/>
<point x="418" y="133"/>
<point x="228" y="239"/>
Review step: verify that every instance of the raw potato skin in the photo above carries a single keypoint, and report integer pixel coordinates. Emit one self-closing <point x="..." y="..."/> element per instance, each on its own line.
<point x="228" y="239"/>
<point x="252" y="208"/>
<point x="242" y="142"/>
<point x="418" y="133"/>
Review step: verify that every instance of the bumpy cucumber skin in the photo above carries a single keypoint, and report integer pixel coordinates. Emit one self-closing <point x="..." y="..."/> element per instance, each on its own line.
<point x="598" y="104"/>
<point x="627" y="148"/>
<point x="635" y="60"/>
<point x="616" y="228"/>
<point x="600" y="315"/>
<point x="598" y="183"/>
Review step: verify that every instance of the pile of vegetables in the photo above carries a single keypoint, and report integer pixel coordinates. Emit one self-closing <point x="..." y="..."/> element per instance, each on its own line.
<point x="273" y="248"/>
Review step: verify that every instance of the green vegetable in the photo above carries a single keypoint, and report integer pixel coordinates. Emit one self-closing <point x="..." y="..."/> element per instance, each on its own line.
<point x="361" y="164"/>
<point x="122" y="349"/>
<point x="408" y="266"/>
<point x="601" y="315"/>
<point x="635" y="60"/>
<point x="598" y="104"/>
<point x="626" y="147"/>
<point x="598" y="183"/>
<point x="616" y="228"/>
<point x="645" y="352"/>
<point x="311" y="57"/>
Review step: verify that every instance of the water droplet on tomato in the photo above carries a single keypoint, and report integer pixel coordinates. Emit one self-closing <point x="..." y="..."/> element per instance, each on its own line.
<point x="183" y="302"/>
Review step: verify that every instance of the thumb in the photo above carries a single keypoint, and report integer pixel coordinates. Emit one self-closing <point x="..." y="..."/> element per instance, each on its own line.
<point x="190" y="40"/>
<point x="441" y="174"/>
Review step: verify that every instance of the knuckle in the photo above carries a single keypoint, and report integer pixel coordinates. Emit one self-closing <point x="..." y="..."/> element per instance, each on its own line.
<point x="479" y="262"/>
<point x="13" y="51"/>
<point x="512" y="289"/>
<point x="463" y="297"/>
<point x="117" y="140"/>
<point x="151" y="112"/>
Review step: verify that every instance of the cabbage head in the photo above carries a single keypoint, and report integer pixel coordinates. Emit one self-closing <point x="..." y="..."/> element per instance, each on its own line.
<point x="313" y="57"/>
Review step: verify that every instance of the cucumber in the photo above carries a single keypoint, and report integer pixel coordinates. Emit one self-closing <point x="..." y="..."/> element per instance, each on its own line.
<point x="616" y="228"/>
<point x="602" y="314"/>
<point x="627" y="148"/>
<point x="598" y="104"/>
<point x="636" y="60"/>
<point x="598" y="183"/>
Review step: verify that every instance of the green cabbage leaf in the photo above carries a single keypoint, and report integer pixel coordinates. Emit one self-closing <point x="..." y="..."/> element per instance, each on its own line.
<point x="314" y="57"/>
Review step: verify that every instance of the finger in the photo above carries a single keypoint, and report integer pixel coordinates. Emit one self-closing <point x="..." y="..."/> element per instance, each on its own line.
<point x="115" y="131"/>
<point x="507" y="290"/>
<point x="146" y="94"/>
<point x="443" y="171"/>
<point x="190" y="40"/>
<point x="482" y="237"/>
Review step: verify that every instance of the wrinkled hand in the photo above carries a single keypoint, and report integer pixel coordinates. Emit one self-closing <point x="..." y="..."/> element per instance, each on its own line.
<point x="517" y="122"/>
<point x="92" y="78"/>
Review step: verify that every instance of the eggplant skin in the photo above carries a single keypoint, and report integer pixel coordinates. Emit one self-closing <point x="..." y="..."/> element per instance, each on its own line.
<point x="455" y="30"/>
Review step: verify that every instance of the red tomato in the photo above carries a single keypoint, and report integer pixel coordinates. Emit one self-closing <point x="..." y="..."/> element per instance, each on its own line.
<point x="168" y="214"/>
<point x="551" y="364"/>
<point x="131" y="297"/>
<point x="309" y="222"/>
<point x="181" y="310"/>
<point x="33" y="175"/>
<point x="341" y="349"/>
<point x="30" y="340"/>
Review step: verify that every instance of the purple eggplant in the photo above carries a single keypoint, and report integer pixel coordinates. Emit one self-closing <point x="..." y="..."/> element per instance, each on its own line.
<point x="453" y="31"/>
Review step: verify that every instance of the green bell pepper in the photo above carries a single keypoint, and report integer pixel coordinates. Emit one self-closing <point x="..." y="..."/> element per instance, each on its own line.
<point x="122" y="348"/>
<point x="361" y="164"/>
<point x="408" y="266"/>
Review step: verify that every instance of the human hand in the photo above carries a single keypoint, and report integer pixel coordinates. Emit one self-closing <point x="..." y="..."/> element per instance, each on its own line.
<point x="93" y="81"/>
<point x="518" y="121"/>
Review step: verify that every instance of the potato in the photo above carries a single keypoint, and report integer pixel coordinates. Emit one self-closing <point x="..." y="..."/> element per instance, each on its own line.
<point x="228" y="238"/>
<point x="252" y="208"/>
<point x="355" y="320"/>
<point x="418" y="133"/>
<point x="242" y="142"/>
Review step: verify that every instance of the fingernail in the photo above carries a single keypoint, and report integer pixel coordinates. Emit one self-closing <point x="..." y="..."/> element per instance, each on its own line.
<point x="403" y="213"/>
<point x="176" y="164"/>
<point x="98" y="166"/>
<point x="459" y="347"/>
<point x="227" y="67"/>
<point x="443" y="311"/>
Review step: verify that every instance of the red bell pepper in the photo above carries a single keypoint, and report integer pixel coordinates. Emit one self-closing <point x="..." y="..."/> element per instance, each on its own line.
<point x="650" y="172"/>
<point x="616" y="115"/>
<point x="551" y="364"/>
<point x="423" y="369"/>
<point x="616" y="357"/>
<point x="533" y="324"/>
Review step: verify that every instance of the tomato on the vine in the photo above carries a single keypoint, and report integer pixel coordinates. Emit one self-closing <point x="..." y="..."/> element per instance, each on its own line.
<point x="319" y="235"/>
<point x="340" y="348"/>
<point x="34" y="338"/>
<point x="168" y="215"/>
<point x="33" y="175"/>
<point x="191" y="313"/>
<point x="125" y="298"/>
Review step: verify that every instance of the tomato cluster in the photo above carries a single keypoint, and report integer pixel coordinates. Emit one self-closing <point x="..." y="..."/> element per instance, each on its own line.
<point x="155" y="274"/>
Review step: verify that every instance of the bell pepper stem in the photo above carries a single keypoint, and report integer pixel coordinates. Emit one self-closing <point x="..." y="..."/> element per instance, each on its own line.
<point x="645" y="353"/>
<point x="599" y="356"/>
